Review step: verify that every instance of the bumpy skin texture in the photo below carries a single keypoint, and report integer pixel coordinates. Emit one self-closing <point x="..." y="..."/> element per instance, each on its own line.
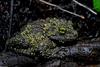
<point x="60" y="30"/>
<point x="36" y="36"/>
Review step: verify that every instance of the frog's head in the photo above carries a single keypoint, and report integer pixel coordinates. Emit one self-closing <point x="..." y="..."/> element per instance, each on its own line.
<point x="60" y="30"/>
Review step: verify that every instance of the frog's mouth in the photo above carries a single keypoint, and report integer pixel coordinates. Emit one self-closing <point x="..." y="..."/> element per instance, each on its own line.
<point x="63" y="37"/>
<point x="62" y="40"/>
<point x="58" y="38"/>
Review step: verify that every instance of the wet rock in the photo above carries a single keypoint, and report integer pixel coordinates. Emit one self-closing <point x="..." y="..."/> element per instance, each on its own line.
<point x="54" y="63"/>
<point x="69" y="64"/>
<point x="9" y="59"/>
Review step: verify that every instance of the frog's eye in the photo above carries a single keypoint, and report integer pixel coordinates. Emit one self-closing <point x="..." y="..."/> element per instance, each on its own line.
<point x="62" y="30"/>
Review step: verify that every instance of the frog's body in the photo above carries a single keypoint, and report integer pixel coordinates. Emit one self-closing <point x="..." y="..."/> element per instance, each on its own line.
<point x="36" y="36"/>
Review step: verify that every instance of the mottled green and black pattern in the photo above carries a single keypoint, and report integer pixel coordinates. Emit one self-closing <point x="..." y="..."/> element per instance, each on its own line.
<point x="37" y="35"/>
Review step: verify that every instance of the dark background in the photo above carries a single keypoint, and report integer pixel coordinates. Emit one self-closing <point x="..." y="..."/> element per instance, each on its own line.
<point x="30" y="10"/>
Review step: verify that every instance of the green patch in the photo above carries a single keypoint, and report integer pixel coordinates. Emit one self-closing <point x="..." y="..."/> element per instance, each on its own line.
<point x="96" y="5"/>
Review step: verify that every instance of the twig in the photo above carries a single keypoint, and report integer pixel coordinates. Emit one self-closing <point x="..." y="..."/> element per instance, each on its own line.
<point x="85" y="7"/>
<point x="10" y="23"/>
<point x="62" y="9"/>
<point x="11" y="14"/>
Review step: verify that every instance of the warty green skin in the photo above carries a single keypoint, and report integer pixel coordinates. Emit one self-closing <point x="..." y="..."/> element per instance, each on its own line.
<point x="37" y="35"/>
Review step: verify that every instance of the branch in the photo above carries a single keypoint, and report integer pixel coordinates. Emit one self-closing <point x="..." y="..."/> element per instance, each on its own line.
<point x="62" y="9"/>
<point x="85" y="7"/>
